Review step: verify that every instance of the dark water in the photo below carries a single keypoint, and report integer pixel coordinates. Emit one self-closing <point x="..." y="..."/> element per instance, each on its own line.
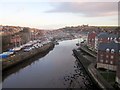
<point x="57" y="69"/>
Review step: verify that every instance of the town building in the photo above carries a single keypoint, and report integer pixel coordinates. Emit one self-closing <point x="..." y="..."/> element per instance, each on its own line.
<point x="108" y="52"/>
<point x="96" y="44"/>
<point x="16" y="40"/>
<point x="118" y="71"/>
<point x="117" y="32"/>
<point x="91" y="40"/>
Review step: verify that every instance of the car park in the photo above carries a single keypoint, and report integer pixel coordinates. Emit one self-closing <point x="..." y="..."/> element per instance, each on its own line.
<point x="27" y="49"/>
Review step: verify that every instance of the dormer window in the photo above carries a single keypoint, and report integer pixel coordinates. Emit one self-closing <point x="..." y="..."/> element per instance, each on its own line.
<point x="111" y="38"/>
<point x="112" y="50"/>
<point x="107" y="50"/>
<point x="115" y="38"/>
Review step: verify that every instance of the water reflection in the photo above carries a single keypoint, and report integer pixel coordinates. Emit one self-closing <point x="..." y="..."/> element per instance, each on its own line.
<point x="57" y="69"/>
<point x="22" y="65"/>
<point x="78" y="79"/>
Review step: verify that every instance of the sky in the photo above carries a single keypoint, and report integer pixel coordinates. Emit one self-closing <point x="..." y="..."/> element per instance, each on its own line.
<point x="52" y="15"/>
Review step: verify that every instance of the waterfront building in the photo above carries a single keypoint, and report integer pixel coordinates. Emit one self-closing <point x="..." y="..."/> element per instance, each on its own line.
<point x="117" y="32"/>
<point x="16" y="40"/>
<point x="1" y="31"/>
<point x="91" y="40"/>
<point x="108" y="51"/>
<point x="118" y="72"/>
<point x="96" y="44"/>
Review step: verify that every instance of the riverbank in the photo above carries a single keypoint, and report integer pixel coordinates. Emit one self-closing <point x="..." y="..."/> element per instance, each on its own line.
<point x="22" y="56"/>
<point x="85" y="63"/>
<point x="88" y="60"/>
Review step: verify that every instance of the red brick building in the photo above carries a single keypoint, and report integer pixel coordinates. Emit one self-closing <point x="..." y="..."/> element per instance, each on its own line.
<point x="118" y="64"/>
<point x="108" y="52"/>
<point x="118" y="71"/>
<point x="91" y="40"/>
<point x="16" y="40"/>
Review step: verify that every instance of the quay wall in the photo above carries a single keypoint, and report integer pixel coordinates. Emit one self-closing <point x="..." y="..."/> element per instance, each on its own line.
<point x="94" y="75"/>
<point x="22" y="56"/>
<point x="85" y="63"/>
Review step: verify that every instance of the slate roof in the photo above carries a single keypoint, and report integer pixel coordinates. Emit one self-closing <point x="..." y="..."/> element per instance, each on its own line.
<point x="111" y="45"/>
<point x="113" y="35"/>
<point x="103" y="35"/>
<point x="106" y="35"/>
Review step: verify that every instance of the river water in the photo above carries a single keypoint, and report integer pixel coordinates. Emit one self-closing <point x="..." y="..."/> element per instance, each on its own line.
<point x="57" y="69"/>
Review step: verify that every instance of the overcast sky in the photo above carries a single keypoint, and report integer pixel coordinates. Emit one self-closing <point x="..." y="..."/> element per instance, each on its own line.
<point x="51" y="15"/>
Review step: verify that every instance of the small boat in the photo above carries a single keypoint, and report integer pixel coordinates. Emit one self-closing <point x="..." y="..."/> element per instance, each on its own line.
<point x="56" y="43"/>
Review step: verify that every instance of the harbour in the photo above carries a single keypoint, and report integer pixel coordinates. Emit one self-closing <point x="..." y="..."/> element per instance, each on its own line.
<point x="57" y="69"/>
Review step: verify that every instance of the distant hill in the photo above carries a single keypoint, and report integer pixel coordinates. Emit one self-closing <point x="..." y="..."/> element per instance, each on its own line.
<point x="26" y="34"/>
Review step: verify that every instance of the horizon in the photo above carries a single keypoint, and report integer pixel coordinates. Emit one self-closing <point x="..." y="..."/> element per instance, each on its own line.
<point x="60" y="27"/>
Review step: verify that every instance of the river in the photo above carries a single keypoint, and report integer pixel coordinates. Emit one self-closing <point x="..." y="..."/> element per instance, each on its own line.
<point x="57" y="69"/>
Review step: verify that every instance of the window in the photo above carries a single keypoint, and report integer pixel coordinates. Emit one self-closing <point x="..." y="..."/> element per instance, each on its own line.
<point x="112" y="57"/>
<point x="112" y="50"/>
<point x="107" y="50"/>
<point x="101" y="60"/>
<point x="111" y="62"/>
<point x="101" y="55"/>
<point x="106" y="61"/>
<point x="92" y="39"/>
<point x="107" y="56"/>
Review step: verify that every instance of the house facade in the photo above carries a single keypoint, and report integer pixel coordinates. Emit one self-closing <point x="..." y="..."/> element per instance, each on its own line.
<point x="117" y="32"/>
<point x="108" y="52"/>
<point x="118" y="71"/>
<point x="91" y="40"/>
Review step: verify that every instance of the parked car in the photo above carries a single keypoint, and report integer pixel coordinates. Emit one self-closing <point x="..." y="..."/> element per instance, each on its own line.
<point x="17" y="49"/>
<point x="27" y="49"/>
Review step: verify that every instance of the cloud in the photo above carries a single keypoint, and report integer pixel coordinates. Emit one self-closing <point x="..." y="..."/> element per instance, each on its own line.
<point x="89" y="9"/>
